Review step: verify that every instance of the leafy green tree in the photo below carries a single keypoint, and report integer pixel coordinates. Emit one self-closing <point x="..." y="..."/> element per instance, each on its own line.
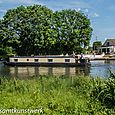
<point x="5" y="50"/>
<point x="35" y="30"/>
<point x="96" y="45"/>
<point x="28" y="29"/>
<point x="74" y="31"/>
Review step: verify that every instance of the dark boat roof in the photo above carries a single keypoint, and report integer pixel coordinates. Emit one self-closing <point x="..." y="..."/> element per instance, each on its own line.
<point x="45" y="56"/>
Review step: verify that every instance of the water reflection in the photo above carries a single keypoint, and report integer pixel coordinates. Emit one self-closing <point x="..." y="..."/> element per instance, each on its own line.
<point x="36" y="71"/>
<point x="98" y="68"/>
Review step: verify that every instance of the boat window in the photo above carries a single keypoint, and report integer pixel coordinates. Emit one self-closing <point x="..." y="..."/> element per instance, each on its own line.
<point x="67" y="60"/>
<point x="76" y="56"/>
<point x="50" y="60"/>
<point x="27" y="59"/>
<point x="36" y="60"/>
<point x="15" y="60"/>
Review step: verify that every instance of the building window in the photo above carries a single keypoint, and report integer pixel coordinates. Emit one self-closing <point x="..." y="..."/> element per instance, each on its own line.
<point x="27" y="59"/>
<point x="50" y="60"/>
<point x="108" y="43"/>
<point x="36" y="60"/>
<point x="16" y="60"/>
<point x="67" y="60"/>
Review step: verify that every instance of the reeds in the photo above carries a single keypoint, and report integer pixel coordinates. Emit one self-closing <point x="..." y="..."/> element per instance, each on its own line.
<point x="77" y="95"/>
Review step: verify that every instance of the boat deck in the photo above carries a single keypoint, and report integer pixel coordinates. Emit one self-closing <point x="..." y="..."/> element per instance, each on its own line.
<point x="46" y="64"/>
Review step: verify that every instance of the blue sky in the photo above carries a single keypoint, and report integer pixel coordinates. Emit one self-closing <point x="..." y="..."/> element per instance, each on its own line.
<point x="100" y="12"/>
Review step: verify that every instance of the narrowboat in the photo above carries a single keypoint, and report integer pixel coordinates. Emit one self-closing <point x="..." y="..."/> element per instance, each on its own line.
<point x="47" y="60"/>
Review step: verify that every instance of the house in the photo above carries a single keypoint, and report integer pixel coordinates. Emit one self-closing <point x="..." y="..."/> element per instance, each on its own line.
<point x="108" y="47"/>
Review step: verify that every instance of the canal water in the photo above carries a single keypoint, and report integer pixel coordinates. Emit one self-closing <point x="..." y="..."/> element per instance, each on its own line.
<point x="97" y="69"/>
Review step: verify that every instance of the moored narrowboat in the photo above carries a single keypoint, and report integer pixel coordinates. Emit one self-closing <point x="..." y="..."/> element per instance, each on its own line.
<point x="47" y="60"/>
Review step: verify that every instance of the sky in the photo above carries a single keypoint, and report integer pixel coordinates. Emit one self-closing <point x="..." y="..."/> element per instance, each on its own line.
<point x="100" y="12"/>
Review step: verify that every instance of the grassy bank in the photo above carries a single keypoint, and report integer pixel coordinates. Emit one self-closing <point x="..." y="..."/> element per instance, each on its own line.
<point x="60" y="95"/>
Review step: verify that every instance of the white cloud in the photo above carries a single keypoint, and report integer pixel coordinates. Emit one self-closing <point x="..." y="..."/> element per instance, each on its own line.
<point x="69" y="4"/>
<point x="9" y="4"/>
<point x="86" y="10"/>
<point x="28" y="2"/>
<point x="3" y="10"/>
<point x="78" y="9"/>
<point x="12" y="3"/>
<point x="95" y="15"/>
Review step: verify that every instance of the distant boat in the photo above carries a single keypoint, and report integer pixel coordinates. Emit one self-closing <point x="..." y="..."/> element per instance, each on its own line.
<point x="93" y="56"/>
<point x="47" y="60"/>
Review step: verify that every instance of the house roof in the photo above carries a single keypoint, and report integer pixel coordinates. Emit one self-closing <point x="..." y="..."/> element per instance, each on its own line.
<point x="110" y="41"/>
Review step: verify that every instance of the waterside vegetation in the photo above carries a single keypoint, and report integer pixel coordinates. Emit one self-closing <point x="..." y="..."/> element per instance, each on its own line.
<point x="37" y="30"/>
<point x="80" y="95"/>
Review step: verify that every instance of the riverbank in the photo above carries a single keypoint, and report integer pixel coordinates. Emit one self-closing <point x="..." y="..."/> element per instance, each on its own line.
<point x="99" y="57"/>
<point x="58" y="95"/>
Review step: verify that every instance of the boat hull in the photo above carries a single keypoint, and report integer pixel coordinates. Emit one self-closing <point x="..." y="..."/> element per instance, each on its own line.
<point x="45" y="64"/>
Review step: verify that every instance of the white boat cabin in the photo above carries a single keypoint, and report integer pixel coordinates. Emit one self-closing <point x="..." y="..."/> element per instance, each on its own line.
<point x="44" y="59"/>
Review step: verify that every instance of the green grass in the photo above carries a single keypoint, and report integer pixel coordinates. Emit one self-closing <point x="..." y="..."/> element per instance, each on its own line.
<point x="59" y="95"/>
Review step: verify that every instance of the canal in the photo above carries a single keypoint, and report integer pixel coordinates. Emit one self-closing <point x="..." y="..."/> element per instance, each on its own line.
<point x="97" y="69"/>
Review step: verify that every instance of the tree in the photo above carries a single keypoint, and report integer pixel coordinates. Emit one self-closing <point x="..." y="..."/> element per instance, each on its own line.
<point x="28" y="29"/>
<point x="74" y="31"/>
<point x="35" y="30"/>
<point x="96" y="45"/>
